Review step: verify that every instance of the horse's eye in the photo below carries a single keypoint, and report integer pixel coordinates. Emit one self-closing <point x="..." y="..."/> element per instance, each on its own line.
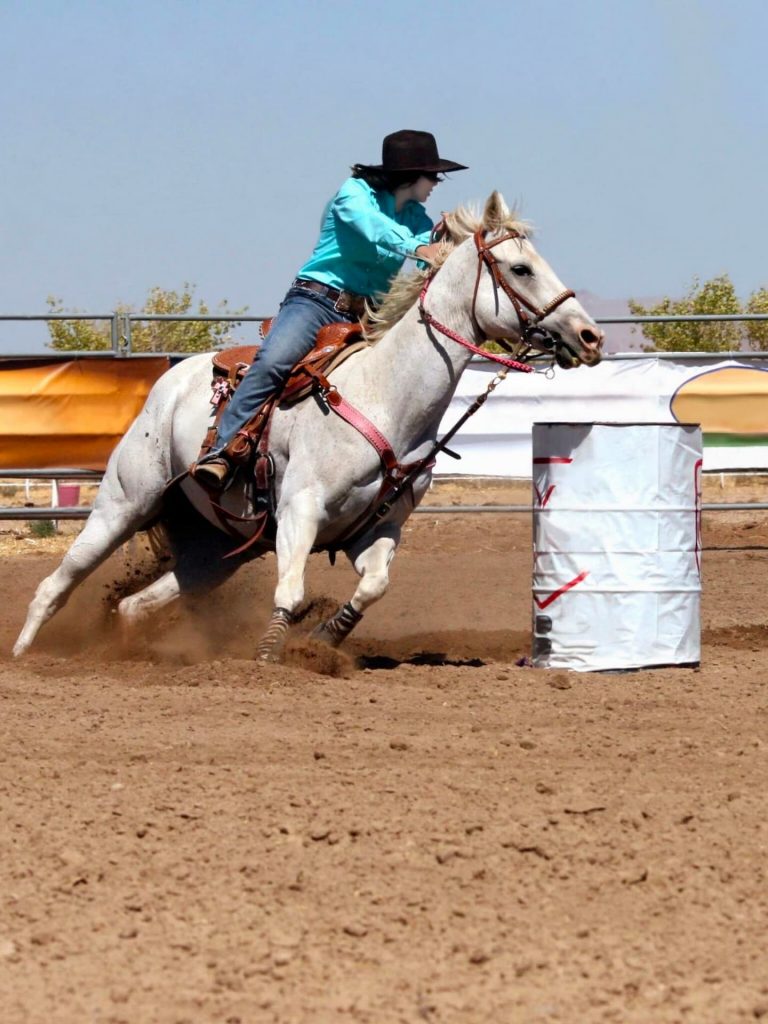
<point x="522" y="270"/>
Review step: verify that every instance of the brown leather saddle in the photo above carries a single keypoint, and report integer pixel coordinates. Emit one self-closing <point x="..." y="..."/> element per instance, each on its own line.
<point x="335" y="344"/>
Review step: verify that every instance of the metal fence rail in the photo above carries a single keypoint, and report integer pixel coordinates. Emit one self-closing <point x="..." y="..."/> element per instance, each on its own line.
<point x="121" y="326"/>
<point x="120" y="335"/>
<point x="83" y="511"/>
<point x="27" y="512"/>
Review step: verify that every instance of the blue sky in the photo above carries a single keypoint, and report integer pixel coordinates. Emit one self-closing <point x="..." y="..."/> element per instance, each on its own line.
<point x="152" y="143"/>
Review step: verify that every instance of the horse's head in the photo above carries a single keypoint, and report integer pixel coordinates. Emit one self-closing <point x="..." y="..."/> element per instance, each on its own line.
<point x="518" y="297"/>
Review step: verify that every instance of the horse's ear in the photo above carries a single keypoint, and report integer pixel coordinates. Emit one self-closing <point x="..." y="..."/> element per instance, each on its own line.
<point x="496" y="212"/>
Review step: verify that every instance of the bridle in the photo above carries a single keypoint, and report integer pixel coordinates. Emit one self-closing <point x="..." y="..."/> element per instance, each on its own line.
<point x="522" y="305"/>
<point x="528" y="315"/>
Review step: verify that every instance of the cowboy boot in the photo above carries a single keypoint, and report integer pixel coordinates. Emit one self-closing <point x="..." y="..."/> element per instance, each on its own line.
<point x="214" y="473"/>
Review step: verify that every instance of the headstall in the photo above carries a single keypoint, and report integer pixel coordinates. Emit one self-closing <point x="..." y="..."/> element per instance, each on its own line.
<point x="528" y="315"/>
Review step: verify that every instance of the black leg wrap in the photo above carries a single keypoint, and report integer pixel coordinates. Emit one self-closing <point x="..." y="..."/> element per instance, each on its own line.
<point x="274" y="638"/>
<point x="338" y="628"/>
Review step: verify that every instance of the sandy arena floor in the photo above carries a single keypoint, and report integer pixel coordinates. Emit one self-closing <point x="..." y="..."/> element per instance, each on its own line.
<point x="431" y="834"/>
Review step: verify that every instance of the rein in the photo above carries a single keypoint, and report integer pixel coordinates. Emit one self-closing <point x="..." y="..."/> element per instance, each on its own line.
<point x="529" y="315"/>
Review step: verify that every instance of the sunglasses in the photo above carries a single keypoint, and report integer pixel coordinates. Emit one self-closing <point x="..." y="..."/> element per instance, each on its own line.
<point x="433" y="176"/>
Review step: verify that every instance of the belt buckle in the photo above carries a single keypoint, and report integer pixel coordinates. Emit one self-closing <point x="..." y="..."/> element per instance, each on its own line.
<point x="344" y="303"/>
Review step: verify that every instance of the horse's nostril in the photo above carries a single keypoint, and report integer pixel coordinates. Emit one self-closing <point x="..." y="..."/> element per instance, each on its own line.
<point x="591" y="335"/>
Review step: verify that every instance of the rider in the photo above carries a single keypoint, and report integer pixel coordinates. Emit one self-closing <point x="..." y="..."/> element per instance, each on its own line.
<point x="373" y="223"/>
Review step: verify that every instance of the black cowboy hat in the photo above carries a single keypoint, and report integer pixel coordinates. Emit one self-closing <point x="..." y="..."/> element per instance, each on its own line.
<point x="413" y="151"/>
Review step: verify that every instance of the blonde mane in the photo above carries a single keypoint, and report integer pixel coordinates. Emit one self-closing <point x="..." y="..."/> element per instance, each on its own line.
<point x="460" y="224"/>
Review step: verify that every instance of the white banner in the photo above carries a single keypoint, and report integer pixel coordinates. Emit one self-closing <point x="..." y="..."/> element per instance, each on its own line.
<point x="728" y="397"/>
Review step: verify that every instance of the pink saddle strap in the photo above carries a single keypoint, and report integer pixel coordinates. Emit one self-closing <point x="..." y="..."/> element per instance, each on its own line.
<point x="370" y="432"/>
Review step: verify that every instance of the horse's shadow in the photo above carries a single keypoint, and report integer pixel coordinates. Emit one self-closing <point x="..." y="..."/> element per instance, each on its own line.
<point x="434" y="658"/>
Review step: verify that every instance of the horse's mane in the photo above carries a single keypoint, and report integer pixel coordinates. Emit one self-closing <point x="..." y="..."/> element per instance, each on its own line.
<point x="460" y="224"/>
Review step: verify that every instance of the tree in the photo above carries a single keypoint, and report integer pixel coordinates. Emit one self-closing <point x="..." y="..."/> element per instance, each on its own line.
<point x="715" y="296"/>
<point x="757" y="330"/>
<point x="152" y="336"/>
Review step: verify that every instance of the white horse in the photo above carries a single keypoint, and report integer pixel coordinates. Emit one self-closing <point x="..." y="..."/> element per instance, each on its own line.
<point x="491" y="284"/>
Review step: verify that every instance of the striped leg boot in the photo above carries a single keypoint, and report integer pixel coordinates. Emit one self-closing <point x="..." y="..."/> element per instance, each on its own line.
<point x="336" y="629"/>
<point x="271" y="644"/>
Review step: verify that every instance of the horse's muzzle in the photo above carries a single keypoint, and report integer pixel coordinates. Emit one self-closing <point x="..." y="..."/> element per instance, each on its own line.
<point x="586" y="346"/>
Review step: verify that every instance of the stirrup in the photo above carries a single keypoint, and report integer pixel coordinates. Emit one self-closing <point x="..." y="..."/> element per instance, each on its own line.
<point x="213" y="473"/>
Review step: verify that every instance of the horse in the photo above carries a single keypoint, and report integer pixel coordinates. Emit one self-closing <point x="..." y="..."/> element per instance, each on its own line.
<point x="489" y="283"/>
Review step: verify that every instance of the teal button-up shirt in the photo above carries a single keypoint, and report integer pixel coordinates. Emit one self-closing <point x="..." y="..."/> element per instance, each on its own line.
<point x="364" y="240"/>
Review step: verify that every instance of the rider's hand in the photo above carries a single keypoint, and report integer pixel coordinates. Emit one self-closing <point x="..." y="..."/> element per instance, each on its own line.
<point x="428" y="253"/>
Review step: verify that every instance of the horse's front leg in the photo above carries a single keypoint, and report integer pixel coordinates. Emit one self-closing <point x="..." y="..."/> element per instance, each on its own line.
<point x="296" y="533"/>
<point x="371" y="558"/>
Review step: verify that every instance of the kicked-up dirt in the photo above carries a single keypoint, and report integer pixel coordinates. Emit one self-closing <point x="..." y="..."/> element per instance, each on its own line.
<point x="417" y="829"/>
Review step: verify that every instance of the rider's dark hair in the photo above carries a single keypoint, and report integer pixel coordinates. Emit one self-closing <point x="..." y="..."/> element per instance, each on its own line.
<point x="384" y="181"/>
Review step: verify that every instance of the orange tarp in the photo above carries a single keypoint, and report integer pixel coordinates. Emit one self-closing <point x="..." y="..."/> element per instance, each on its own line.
<point x="70" y="413"/>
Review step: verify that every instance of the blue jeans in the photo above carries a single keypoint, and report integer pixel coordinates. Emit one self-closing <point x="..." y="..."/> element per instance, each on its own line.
<point x="291" y="337"/>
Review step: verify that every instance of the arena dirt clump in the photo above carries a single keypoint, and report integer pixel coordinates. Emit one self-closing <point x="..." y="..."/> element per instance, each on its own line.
<point x="316" y="656"/>
<point x="316" y="610"/>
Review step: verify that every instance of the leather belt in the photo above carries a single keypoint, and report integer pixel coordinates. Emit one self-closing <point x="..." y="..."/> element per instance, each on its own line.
<point x="344" y="302"/>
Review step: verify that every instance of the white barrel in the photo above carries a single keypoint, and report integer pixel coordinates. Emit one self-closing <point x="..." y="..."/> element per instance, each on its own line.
<point x="616" y="540"/>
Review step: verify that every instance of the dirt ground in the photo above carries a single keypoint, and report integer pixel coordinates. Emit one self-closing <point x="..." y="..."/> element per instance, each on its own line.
<point x="428" y="833"/>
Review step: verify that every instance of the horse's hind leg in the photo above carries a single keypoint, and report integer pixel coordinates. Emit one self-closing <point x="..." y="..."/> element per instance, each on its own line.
<point x="102" y="535"/>
<point x="153" y="597"/>
<point x="371" y="562"/>
<point x="199" y="569"/>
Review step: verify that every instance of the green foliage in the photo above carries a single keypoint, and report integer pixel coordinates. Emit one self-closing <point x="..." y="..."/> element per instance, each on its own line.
<point x="152" y="336"/>
<point x="76" y="335"/>
<point x="757" y="330"/>
<point x="711" y="297"/>
<point x="42" y="528"/>
<point x="715" y="297"/>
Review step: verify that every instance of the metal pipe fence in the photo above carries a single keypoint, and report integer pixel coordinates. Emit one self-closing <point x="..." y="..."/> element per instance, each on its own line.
<point x="121" y="345"/>
<point x="27" y="512"/>
<point x="121" y="327"/>
<point x="82" y="511"/>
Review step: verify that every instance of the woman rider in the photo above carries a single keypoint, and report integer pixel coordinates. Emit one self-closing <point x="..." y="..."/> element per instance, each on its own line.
<point x="371" y="225"/>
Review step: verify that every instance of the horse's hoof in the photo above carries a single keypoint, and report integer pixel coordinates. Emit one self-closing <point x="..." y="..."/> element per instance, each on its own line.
<point x="324" y="635"/>
<point x="335" y="630"/>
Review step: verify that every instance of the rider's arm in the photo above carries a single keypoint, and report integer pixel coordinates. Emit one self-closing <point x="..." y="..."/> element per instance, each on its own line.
<point x="355" y="206"/>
